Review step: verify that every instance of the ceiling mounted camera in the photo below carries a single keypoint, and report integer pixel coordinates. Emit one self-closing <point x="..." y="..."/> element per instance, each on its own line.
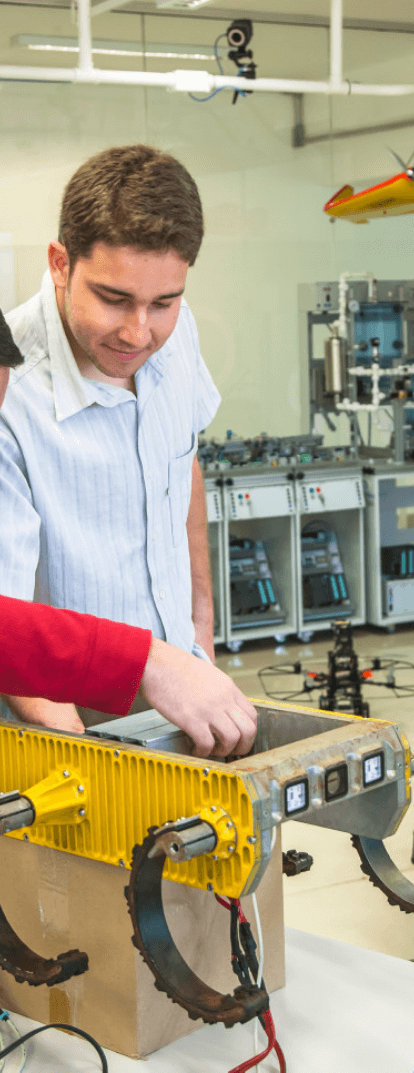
<point x="240" y="33"/>
<point x="238" y="36"/>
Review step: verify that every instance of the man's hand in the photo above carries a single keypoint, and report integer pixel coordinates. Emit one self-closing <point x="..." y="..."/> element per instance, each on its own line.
<point x="46" y="713"/>
<point x="200" y="699"/>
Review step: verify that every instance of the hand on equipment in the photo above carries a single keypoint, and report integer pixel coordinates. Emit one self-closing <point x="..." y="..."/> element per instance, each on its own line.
<point x="200" y="699"/>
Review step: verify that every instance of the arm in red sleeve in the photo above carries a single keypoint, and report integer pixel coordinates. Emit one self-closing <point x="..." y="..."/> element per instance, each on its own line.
<point x="70" y="657"/>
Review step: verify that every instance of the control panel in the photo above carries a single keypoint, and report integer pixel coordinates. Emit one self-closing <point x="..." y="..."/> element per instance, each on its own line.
<point x="398" y="597"/>
<point x="213" y="504"/>
<point x="272" y="501"/>
<point x="333" y="783"/>
<point x="318" y="495"/>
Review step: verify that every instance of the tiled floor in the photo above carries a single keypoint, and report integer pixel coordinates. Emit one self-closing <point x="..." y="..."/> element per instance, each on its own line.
<point x="335" y="899"/>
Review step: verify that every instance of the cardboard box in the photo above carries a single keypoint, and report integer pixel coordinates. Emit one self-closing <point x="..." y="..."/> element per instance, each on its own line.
<point x="56" y="901"/>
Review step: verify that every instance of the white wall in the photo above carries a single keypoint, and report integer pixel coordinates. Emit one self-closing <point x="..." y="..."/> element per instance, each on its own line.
<point x="266" y="231"/>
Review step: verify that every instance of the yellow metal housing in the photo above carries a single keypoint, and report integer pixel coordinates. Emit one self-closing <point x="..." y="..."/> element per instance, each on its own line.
<point x="128" y="789"/>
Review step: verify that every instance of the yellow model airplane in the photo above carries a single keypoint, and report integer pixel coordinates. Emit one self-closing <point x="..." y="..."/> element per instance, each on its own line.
<point x="392" y="198"/>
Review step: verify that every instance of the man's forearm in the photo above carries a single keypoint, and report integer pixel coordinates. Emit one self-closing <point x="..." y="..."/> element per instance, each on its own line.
<point x="202" y="597"/>
<point x="41" y="712"/>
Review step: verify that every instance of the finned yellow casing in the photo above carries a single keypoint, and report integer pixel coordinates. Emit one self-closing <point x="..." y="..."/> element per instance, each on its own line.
<point x="126" y="790"/>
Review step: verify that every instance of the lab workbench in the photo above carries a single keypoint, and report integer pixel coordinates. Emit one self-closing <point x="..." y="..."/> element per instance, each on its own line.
<point x="343" y="1009"/>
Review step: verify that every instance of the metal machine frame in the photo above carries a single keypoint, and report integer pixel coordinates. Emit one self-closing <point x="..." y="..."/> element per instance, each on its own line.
<point x="387" y="381"/>
<point x="207" y="824"/>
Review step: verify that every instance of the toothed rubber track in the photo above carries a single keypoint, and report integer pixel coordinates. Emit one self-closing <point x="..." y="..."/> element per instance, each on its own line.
<point x="383" y="873"/>
<point x="28" y="967"/>
<point x="155" y="943"/>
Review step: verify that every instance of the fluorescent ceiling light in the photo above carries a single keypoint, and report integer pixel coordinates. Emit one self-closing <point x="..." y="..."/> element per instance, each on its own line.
<point x="41" y="43"/>
<point x="181" y="4"/>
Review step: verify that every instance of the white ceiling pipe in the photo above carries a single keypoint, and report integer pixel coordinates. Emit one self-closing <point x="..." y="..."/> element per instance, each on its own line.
<point x="359" y="88"/>
<point x="200" y="81"/>
<point x="197" y="81"/>
<point x="75" y="74"/>
<point x="85" y="36"/>
<point x="336" y="42"/>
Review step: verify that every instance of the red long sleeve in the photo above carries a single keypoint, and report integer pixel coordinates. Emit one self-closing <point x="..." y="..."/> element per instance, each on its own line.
<point x="70" y="657"/>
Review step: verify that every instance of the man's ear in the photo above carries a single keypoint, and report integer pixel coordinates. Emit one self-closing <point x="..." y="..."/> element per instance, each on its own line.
<point x="58" y="264"/>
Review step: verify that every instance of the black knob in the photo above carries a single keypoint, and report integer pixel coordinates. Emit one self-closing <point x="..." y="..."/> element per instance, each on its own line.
<point x="229" y="480"/>
<point x="398" y="344"/>
<point x="300" y="476"/>
<point x="290" y="476"/>
<point x="375" y="342"/>
<point x="219" y="482"/>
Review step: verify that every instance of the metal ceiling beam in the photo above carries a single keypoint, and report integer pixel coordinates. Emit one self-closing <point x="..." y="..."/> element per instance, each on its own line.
<point x="106" y="5"/>
<point x="300" y="138"/>
<point x="275" y="19"/>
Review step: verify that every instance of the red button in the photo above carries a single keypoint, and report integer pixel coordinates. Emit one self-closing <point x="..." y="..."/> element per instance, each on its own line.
<point x="247" y="496"/>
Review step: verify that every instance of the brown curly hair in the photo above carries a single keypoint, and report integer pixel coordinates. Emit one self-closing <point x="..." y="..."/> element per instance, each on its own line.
<point x="132" y="196"/>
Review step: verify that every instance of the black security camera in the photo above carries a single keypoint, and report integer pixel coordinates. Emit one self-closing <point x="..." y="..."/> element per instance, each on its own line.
<point x="240" y="33"/>
<point x="238" y="36"/>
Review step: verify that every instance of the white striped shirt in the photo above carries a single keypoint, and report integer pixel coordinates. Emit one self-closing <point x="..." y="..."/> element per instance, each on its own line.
<point x="94" y="483"/>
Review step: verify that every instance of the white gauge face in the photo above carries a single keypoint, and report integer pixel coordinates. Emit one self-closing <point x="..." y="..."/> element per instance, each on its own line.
<point x="373" y="769"/>
<point x="296" y="797"/>
<point x="333" y="783"/>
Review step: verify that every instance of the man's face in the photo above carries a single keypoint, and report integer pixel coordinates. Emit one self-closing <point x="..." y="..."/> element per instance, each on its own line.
<point x="4" y="379"/>
<point x="119" y="306"/>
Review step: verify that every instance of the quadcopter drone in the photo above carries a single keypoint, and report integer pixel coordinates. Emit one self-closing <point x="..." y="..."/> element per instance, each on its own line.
<point x="341" y="684"/>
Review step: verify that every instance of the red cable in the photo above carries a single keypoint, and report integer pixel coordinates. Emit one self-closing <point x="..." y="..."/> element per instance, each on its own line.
<point x="228" y="905"/>
<point x="273" y="1044"/>
<point x="222" y="901"/>
<point x="267" y="1017"/>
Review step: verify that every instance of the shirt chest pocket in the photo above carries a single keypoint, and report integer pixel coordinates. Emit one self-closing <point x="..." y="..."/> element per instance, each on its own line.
<point x="179" y="492"/>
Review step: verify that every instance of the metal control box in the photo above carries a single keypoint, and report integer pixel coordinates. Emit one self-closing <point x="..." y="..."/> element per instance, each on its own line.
<point x="260" y="501"/>
<point x="330" y="545"/>
<point x="330" y="493"/>
<point x="389" y="530"/>
<point x="259" y="554"/>
<point x="398" y="597"/>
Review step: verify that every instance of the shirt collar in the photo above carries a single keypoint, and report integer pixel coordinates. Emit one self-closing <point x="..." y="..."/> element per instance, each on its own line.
<point x="72" y="391"/>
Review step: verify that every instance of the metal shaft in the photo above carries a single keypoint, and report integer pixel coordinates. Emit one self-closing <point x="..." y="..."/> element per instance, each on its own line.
<point x="15" y="812"/>
<point x="191" y="841"/>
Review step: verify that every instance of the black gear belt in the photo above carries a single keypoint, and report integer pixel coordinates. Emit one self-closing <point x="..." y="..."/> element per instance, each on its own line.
<point x="28" y="967"/>
<point x="153" y="939"/>
<point x="383" y="873"/>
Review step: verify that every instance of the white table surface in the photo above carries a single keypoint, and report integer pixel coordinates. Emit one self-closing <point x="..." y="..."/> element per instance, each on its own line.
<point x="343" y="1010"/>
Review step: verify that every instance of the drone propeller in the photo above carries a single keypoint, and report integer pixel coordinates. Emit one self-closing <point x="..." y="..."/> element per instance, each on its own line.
<point x="398" y="159"/>
<point x="404" y="166"/>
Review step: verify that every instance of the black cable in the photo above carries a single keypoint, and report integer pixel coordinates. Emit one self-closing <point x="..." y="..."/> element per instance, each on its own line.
<point x="68" y="1028"/>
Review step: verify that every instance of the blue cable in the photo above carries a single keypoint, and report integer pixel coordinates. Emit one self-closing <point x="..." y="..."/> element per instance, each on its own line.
<point x="216" y="53"/>
<point x="202" y="100"/>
